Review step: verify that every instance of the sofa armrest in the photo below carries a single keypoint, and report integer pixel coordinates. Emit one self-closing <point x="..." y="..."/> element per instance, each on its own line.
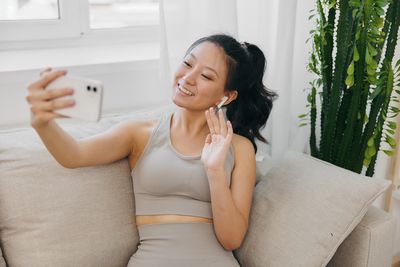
<point x="370" y="244"/>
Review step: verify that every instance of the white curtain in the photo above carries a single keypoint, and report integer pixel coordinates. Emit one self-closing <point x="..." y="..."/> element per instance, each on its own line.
<point x="270" y="25"/>
<point x="183" y="22"/>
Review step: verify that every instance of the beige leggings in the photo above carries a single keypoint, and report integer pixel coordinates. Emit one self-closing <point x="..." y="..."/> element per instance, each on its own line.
<point x="185" y="244"/>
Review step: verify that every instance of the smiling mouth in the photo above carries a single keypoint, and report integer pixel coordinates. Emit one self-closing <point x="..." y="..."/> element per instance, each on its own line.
<point x="184" y="90"/>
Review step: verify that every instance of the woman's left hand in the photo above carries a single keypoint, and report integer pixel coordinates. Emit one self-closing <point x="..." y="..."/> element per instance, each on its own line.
<point x="217" y="142"/>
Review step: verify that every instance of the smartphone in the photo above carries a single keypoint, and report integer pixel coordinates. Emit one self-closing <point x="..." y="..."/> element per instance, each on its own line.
<point x="88" y="96"/>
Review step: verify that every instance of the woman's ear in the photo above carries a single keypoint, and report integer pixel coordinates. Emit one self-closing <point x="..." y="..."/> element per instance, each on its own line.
<point x="232" y="95"/>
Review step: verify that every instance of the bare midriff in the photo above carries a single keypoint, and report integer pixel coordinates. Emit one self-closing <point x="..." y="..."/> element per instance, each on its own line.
<point x="169" y="218"/>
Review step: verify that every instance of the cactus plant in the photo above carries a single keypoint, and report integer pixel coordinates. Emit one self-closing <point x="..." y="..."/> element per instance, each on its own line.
<point x="357" y="83"/>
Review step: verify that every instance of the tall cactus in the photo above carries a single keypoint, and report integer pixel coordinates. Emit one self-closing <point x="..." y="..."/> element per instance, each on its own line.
<point x="356" y="84"/>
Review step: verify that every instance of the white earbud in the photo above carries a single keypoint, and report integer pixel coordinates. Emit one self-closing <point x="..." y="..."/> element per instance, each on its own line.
<point x="222" y="102"/>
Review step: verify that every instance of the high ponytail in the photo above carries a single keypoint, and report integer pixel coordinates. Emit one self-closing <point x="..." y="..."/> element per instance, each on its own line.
<point x="246" y="64"/>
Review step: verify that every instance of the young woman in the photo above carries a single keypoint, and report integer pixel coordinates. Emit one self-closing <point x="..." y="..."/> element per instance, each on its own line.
<point x="193" y="171"/>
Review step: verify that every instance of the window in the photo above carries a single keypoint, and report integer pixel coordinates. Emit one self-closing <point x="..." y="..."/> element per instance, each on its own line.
<point x="32" y="20"/>
<point x="28" y="10"/>
<point x="22" y="20"/>
<point x="122" y="13"/>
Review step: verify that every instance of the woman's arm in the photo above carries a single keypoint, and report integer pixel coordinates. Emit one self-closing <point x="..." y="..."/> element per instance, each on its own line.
<point x="103" y="148"/>
<point x="106" y="147"/>
<point x="231" y="207"/>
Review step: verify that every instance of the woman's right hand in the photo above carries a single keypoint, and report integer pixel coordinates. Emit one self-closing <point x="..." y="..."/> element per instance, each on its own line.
<point x="43" y="103"/>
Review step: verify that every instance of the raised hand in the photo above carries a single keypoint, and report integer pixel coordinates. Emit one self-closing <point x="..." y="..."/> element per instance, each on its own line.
<point x="43" y="103"/>
<point x="217" y="142"/>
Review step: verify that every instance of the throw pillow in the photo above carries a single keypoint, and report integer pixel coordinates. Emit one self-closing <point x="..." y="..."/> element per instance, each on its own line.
<point x="302" y="211"/>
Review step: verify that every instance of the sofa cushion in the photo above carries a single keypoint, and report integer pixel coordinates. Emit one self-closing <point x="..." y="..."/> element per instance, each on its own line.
<point x="302" y="211"/>
<point x="2" y="261"/>
<point x="371" y="243"/>
<point x="53" y="216"/>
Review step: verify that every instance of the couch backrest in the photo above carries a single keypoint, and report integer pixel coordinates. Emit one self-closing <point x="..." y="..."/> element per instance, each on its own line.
<point x="53" y="216"/>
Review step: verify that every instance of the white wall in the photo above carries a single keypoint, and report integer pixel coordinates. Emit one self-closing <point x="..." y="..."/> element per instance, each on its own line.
<point x="127" y="86"/>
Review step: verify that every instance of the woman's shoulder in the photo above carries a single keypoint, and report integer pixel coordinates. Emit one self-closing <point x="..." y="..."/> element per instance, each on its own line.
<point x="241" y="143"/>
<point x="139" y="131"/>
<point x="240" y="140"/>
<point x="140" y="127"/>
<point x="141" y="123"/>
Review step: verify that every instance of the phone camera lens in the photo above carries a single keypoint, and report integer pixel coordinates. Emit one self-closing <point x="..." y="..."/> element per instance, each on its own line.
<point x="88" y="88"/>
<point x="94" y="89"/>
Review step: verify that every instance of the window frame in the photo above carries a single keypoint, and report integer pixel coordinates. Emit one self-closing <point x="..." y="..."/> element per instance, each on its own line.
<point x="30" y="30"/>
<point x="73" y="31"/>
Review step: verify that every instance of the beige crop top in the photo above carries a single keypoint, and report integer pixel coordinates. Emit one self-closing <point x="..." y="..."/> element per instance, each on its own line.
<point x="167" y="182"/>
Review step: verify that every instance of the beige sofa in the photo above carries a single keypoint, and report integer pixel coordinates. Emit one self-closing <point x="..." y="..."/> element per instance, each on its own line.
<point x="53" y="216"/>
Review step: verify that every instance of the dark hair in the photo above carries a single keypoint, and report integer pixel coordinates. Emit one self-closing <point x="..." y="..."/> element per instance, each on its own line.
<point x="246" y="65"/>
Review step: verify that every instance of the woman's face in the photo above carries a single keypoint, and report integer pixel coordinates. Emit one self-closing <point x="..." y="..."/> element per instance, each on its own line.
<point x="203" y="74"/>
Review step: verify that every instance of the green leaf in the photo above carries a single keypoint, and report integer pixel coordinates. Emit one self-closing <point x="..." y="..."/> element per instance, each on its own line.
<point x="390" y="140"/>
<point x="356" y="55"/>
<point x="371" y="150"/>
<point x="302" y="124"/>
<point x="354" y="13"/>
<point x="379" y="22"/>
<point x="392" y="125"/>
<point x="381" y="3"/>
<point x="358" y="33"/>
<point x="373" y="63"/>
<point x="380" y="11"/>
<point x="371" y="141"/>
<point x="390" y="131"/>
<point x="372" y="50"/>
<point x="302" y="116"/>
<point x="309" y="98"/>
<point x="372" y="79"/>
<point x="370" y="70"/>
<point x="389" y="152"/>
<point x="394" y="109"/>
<point x="368" y="57"/>
<point x="397" y="63"/>
<point x="366" y="162"/>
<point x="349" y="81"/>
<point x="350" y="69"/>
<point x="331" y="4"/>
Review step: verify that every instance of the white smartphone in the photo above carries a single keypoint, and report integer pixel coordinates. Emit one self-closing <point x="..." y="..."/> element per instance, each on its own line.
<point x="88" y="96"/>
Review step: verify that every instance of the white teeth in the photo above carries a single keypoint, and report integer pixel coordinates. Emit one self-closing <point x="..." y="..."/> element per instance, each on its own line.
<point x="182" y="89"/>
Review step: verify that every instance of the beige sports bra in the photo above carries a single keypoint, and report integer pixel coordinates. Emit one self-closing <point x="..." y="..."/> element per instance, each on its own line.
<point x="167" y="182"/>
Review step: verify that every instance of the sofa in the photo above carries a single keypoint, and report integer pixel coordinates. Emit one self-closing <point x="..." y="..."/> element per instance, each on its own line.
<point x="306" y="212"/>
